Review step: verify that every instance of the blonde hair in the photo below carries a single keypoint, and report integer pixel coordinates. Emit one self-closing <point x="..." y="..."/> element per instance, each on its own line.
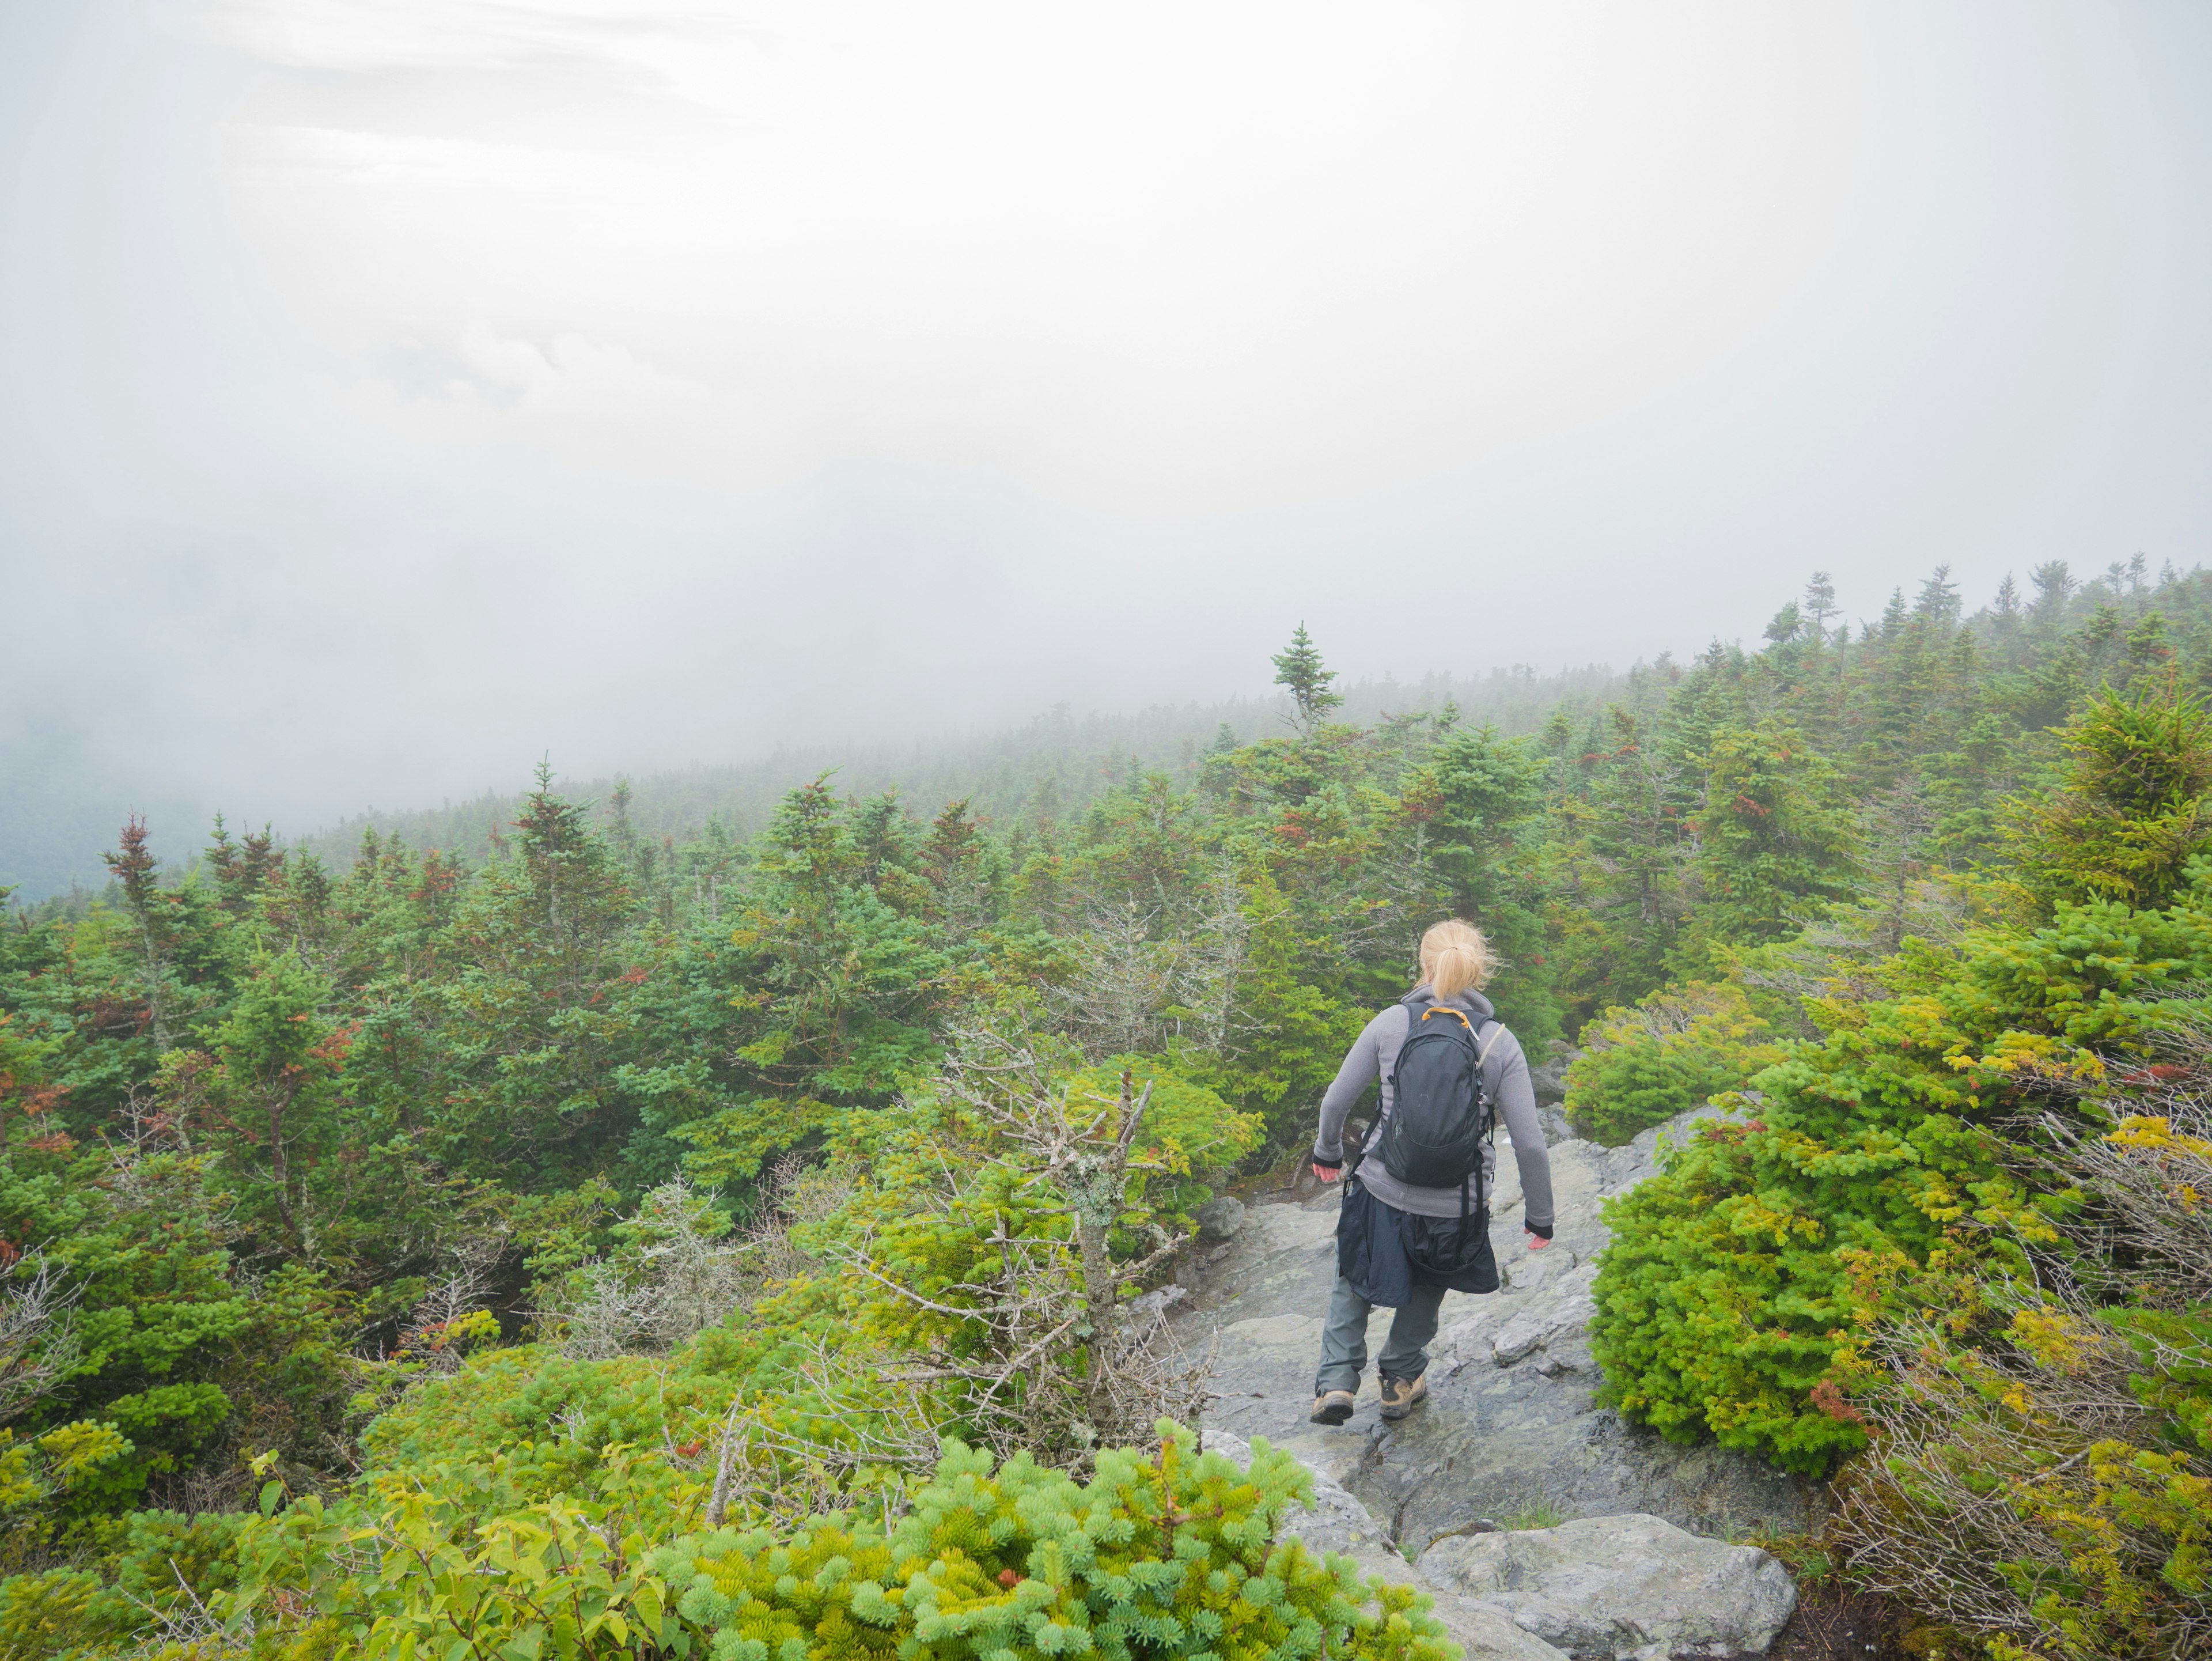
<point x="1454" y="957"/>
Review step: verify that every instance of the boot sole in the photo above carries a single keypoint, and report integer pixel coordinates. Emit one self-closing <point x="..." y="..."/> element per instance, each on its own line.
<point x="1336" y="1415"/>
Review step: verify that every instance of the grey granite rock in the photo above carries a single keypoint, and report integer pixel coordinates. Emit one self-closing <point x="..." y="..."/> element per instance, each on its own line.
<point x="1511" y="1421"/>
<point x="1549" y="1076"/>
<point x="1219" y="1219"/>
<point x="1154" y="1305"/>
<point x="1625" y="1586"/>
<point x="1336" y="1522"/>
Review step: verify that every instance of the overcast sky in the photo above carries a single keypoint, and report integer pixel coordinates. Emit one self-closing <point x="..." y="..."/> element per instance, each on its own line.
<point x="394" y="390"/>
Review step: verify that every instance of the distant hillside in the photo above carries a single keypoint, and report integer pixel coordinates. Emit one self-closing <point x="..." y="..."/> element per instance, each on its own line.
<point x="1074" y="760"/>
<point x="52" y="829"/>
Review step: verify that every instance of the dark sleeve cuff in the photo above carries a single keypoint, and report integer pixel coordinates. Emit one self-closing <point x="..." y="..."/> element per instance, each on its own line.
<point x="1327" y="1164"/>
<point x="1542" y="1233"/>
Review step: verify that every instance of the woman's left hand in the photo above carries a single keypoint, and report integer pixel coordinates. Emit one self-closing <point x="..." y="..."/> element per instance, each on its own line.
<point x="1537" y="1242"/>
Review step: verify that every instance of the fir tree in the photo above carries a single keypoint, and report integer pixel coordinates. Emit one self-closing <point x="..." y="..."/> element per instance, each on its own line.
<point x="139" y="871"/>
<point x="2054" y="590"/>
<point x="1298" y="667"/>
<point x="1820" y="604"/>
<point x="1937" y="603"/>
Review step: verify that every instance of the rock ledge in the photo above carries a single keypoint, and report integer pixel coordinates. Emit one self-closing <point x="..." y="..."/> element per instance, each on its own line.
<point x="1633" y="1586"/>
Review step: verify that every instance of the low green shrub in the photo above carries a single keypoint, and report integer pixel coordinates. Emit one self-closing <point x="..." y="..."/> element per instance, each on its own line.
<point x="52" y="1614"/>
<point x="1676" y="1050"/>
<point x="1165" y="1552"/>
<point x="1740" y="1274"/>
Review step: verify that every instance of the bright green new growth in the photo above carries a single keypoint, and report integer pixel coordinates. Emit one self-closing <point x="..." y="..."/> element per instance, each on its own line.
<point x="1167" y="1551"/>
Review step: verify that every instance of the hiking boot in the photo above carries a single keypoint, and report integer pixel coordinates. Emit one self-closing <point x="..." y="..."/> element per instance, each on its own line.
<point x="1332" y="1407"/>
<point x="1402" y="1396"/>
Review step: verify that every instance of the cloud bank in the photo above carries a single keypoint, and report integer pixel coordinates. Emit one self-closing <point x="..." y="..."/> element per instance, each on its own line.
<point x="400" y="390"/>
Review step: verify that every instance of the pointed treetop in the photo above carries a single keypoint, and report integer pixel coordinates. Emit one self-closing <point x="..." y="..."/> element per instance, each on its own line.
<point x="1893" y="615"/>
<point x="1938" y="601"/>
<point x="1298" y="667"/>
<point x="1819" y="603"/>
<point x="2054" y="585"/>
<point x="134" y="865"/>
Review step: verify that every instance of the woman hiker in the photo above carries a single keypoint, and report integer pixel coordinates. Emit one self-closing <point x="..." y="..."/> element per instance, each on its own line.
<point x="1416" y="1217"/>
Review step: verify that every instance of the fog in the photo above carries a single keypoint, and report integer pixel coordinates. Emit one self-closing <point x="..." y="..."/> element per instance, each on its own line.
<point x="398" y="389"/>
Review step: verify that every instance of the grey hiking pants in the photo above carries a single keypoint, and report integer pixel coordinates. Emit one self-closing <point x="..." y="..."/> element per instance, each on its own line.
<point x="1343" y="1338"/>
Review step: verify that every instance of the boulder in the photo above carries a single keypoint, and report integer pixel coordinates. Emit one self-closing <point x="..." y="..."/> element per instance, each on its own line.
<point x="1548" y="1078"/>
<point x="1625" y="1586"/>
<point x="1510" y="1421"/>
<point x="1219" y="1219"/>
<point x="1336" y="1522"/>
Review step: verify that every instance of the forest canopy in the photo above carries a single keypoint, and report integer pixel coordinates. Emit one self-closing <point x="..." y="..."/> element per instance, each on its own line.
<point x="646" y="1206"/>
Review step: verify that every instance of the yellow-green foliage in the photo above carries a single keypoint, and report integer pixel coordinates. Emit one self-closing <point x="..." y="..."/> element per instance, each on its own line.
<point x="2015" y="1491"/>
<point x="1166" y="1552"/>
<point x="46" y="1614"/>
<point x="2042" y="1478"/>
<point x="41" y="1476"/>
<point x="2133" y="815"/>
<point x="1187" y="1128"/>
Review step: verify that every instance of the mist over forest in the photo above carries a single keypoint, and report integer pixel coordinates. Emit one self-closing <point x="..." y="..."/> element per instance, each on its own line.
<point x="53" y="828"/>
<point x="51" y="833"/>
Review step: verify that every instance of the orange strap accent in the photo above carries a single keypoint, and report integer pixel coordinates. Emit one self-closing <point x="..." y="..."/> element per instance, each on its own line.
<point x="1438" y="1009"/>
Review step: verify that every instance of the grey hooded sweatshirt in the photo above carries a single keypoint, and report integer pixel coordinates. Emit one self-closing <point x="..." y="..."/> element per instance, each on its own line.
<point x="1504" y="1070"/>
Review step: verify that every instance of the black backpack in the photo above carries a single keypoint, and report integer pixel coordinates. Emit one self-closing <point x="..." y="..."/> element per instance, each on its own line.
<point x="1440" y="1111"/>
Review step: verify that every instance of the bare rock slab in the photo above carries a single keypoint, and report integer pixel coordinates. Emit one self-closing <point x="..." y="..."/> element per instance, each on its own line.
<point x="1336" y="1522"/>
<point x="1633" y="1586"/>
<point x="1512" y="1421"/>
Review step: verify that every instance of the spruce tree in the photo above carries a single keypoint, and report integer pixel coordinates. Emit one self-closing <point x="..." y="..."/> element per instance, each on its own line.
<point x="2054" y="588"/>
<point x="1819" y="603"/>
<point x="139" y="871"/>
<point x="1298" y="667"/>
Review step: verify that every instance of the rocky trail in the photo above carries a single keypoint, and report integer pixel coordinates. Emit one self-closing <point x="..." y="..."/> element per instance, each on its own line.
<point x="1546" y="1525"/>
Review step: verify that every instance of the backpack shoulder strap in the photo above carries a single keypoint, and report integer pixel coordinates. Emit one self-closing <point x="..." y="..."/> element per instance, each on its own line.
<point x="1493" y="1027"/>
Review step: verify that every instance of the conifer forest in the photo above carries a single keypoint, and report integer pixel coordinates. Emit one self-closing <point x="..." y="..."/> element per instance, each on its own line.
<point x="621" y="1239"/>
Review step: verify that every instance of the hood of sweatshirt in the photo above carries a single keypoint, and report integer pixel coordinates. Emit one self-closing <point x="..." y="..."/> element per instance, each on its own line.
<point x="1472" y="1003"/>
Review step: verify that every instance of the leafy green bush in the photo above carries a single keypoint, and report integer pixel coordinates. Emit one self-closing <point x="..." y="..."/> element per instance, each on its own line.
<point x="1166" y="1552"/>
<point x="2134" y="813"/>
<point x="1740" y="1275"/>
<point x="1676" y="1050"/>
